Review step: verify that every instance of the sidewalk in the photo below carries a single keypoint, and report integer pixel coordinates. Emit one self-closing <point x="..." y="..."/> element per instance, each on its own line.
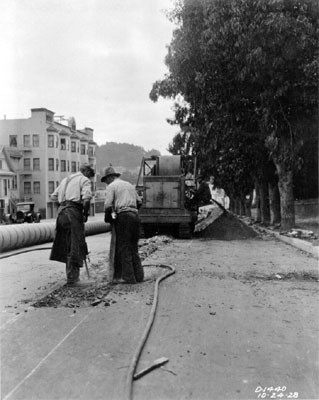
<point x="311" y="224"/>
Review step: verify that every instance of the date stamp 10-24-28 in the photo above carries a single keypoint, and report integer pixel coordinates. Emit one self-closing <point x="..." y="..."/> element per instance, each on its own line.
<point x="275" y="392"/>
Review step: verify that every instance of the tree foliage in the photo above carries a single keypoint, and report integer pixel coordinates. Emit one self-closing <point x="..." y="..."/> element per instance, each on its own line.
<point x="244" y="78"/>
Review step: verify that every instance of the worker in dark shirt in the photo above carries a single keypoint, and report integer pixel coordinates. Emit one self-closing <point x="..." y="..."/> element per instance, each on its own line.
<point x="202" y="195"/>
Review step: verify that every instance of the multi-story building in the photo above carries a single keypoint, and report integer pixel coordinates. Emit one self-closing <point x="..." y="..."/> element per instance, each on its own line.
<point x="9" y="164"/>
<point x="49" y="151"/>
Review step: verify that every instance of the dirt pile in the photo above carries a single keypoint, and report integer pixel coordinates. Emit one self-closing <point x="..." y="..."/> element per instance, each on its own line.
<point x="227" y="227"/>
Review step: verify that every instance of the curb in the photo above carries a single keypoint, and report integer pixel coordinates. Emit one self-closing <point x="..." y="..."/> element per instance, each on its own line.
<point x="298" y="243"/>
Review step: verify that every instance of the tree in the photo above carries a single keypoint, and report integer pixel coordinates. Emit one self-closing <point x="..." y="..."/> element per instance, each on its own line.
<point x="284" y="63"/>
<point x="211" y="106"/>
<point x="247" y="73"/>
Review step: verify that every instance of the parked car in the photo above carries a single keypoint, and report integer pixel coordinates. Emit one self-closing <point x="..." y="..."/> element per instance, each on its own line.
<point x="25" y="213"/>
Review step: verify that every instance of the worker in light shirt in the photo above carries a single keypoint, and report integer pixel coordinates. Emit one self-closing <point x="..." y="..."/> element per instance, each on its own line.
<point x="218" y="194"/>
<point x="120" y="209"/>
<point x="73" y="196"/>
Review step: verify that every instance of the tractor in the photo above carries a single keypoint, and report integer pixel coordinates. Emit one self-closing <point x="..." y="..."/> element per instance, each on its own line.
<point x="166" y="185"/>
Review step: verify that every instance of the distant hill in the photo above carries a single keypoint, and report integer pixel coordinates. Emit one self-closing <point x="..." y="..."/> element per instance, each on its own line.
<point x="126" y="157"/>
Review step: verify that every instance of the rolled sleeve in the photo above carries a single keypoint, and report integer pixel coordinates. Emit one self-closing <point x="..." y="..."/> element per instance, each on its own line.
<point x="55" y="195"/>
<point x="86" y="193"/>
<point x="109" y="198"/>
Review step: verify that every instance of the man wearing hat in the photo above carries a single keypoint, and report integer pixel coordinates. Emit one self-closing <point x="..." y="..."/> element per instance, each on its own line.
<point x="121" y="205"/>
<point x="73" y="196"/>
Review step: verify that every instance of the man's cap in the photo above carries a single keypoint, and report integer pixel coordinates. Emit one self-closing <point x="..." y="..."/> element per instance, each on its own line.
<point x="87" y="166"/>
<point x="108" y="171"/>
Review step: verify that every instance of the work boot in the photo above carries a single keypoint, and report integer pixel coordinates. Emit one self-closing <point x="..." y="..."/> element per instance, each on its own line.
<point x="72" y="271"/>
<point x="80" y="284"/>
<point x="117" y="281"/>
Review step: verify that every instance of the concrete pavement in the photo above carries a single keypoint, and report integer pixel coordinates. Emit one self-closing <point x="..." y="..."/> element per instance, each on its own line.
<point x="61" y="353"/>
<point x="216" y="302"/>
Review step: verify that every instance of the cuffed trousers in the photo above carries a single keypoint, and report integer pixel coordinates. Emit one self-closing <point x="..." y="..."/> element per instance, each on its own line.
<point x="128" y="264"/>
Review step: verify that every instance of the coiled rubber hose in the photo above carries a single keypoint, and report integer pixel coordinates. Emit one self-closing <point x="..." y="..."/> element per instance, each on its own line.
<point x="138" y="352"/>
<point x="16" y="253"/>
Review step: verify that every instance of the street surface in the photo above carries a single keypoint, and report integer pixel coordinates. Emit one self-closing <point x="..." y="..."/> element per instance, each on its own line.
<point x="238" y="320"/>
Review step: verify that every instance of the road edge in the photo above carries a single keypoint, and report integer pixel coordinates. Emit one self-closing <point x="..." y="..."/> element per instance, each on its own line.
<point x="300" y="244"/>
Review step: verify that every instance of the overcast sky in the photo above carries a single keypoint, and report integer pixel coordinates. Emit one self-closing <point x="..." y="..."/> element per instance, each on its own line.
<point x="95" y="60"/>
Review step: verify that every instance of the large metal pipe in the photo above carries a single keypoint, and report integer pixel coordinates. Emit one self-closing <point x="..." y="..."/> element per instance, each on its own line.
<point x="23" y="235"/>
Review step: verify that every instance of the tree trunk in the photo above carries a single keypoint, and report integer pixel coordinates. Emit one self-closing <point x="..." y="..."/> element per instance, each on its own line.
<point x="258" y="213"/>
<point x="283" y="153"/>
<point x="248" y="202"/>
<point x="264" y="202"/>
<point x="285" y="185"/>
<point x="274" y="197"/>
<point x="231" y="204"/>
<point x="242" y="206"/>
<point x="237" y="206"/>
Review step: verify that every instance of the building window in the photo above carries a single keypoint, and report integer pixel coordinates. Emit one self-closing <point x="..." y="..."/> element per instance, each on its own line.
<point x="82" y="148"/>
<point x="14" y="183"/>
<point x="35" y="140"/>
<point x="13" y="141"/>
<point x="57" y="164"/>
<point x="63" y="165"/>
<point x="73" y="166"/>
<point x="27" y="187"/>
<point x="36" y="187"/>
<point x="73" y="146"/>
<point x="56" y="142"/>
<point x="26" y="141"/>
<point x="51" y="187"/>
<point x="27" y="164"/>
<point x="51" y="164"/>
<point x="57" y="183"/>
<point x="36" y="164"/>
<point x="68" y="166"/>
<point x="48" y="117"/>
<point x="0" y="164"/>
<point x="5" y="185"/>
<point x="63" y="144"/>
<point x="50" y="140"/>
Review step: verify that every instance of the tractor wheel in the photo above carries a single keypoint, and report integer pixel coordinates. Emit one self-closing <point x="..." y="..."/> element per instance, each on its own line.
<point x="149" y="230"/>
<point x="184" y="231"/>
